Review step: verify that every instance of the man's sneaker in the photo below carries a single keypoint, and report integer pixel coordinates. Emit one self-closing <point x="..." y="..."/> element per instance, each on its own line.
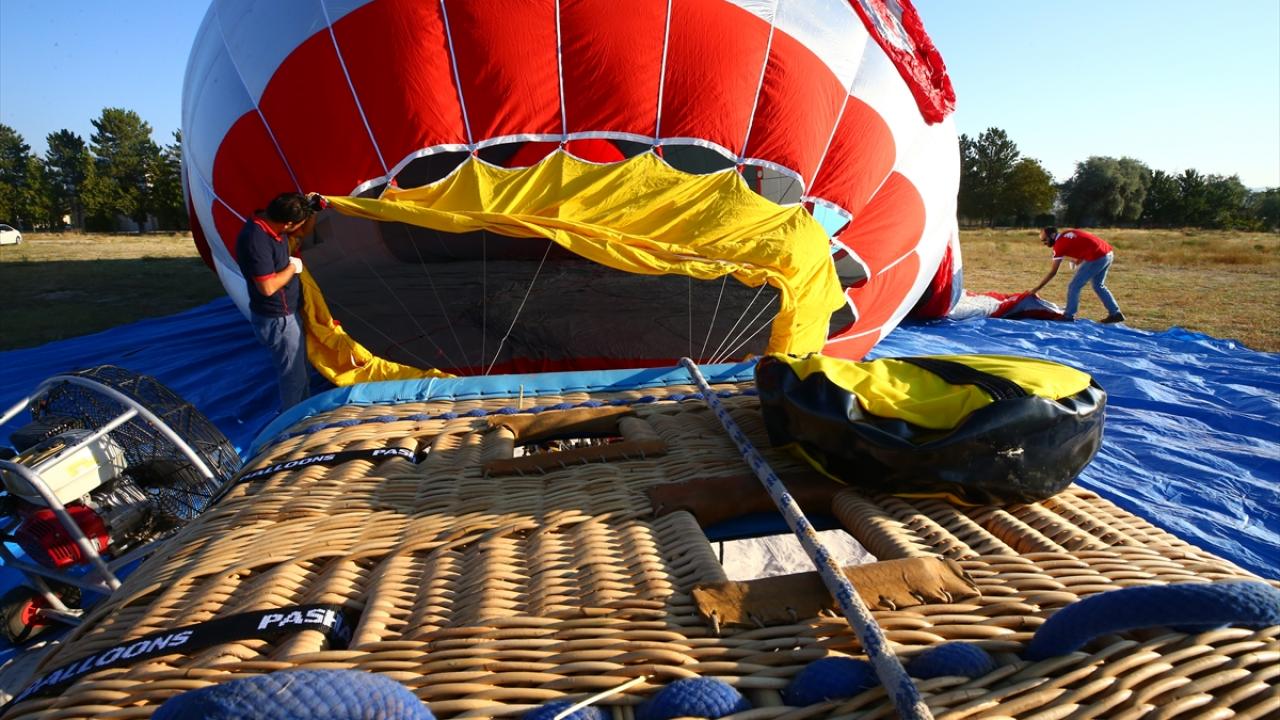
<point x="1114" y="317"/>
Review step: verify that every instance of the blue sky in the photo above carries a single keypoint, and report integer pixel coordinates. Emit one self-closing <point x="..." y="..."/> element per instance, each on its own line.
<point x="1175" y="83"/>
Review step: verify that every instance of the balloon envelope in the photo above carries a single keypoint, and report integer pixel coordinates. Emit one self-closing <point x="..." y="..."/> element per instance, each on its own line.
<point x="841" y="104"/>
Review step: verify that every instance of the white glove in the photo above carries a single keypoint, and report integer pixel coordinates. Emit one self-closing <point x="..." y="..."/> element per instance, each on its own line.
<point x="296" y="262"/>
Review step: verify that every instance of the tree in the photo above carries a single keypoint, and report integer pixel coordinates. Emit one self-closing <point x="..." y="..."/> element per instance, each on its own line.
<point x="1225" y="199"/>
<point x="124" y="158"/>
<point x="168" y="202"/>
<point x="985" y="169"/>
<point x="1028" y="193"/>
<point x="68" y="163"/>
<point x="1265" y="208"/>
<point x="1106" y="191"/>
<point x="14" y="153"/>
<point x="1163" y="207"/>
<point x="1195" y="201"/>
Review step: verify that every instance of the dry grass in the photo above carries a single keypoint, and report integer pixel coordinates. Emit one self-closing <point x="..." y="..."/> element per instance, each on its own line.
<point x="1221" y="283"/>
<point x="56" y="286"/>
<point x="1225" y="284"/>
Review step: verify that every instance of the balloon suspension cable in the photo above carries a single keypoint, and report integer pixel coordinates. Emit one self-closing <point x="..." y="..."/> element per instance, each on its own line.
<point x="741" y="316"/>
<point x="899" y="686"/>
<point x="395" y="296"/>
<point x="435" y="292"/>
<point x="484" y="295"/>
<point x="724" y="279"/>
<point x="394" y="342"/>
<point x="739" y="342"/>
<point x="689" y="286"/>
<point x="520" y="309"/>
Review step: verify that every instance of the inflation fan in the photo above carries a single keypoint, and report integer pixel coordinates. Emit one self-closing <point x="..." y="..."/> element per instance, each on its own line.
<point x="110" y="462"/>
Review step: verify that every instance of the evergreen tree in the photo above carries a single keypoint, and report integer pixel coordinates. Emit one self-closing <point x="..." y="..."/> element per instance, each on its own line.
<point x="124" y="155"/>
<point x="34" y="205"/>
<point x="68" y="164"/>
<point x="14" y="153"/>
<point x="168" y="202"/>
<point x="1192" y="192"/>
<point x="1163" y="207"/>
<point x="986" y="167"/>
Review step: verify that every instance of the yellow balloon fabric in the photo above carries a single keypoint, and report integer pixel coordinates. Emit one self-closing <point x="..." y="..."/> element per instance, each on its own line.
<point x="896" y="389"/>
<point x="337" y="355"/>
<point x="640" y="216"/>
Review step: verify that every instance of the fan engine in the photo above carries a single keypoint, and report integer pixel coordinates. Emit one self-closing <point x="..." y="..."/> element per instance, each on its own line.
<point x="116" y="455"/>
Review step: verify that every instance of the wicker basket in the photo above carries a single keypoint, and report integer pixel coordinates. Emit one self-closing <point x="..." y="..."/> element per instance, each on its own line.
<point x="490" y="587"/>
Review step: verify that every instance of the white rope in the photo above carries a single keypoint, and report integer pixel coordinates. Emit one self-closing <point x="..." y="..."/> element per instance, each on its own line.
<point x="436" y="293"/>
<point x="457" y="79"/>
<point x="724" y="279"/>
<point x="689" y="335"/>
<point x="662" y="77"/>
<point x="520" y="309"/>
<point x="426" y="364"/>
<point x="764" y="66"/>
<point x="391" y="291"/>
<point x="734" y="329"/>
<point x="741" y="342"/>
<point x="342" y="62"/>
<point x="899" y="686"/>
<point x="226" y="47"/>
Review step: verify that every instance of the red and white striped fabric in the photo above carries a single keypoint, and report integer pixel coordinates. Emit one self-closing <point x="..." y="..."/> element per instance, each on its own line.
<point x="847" y="97"/>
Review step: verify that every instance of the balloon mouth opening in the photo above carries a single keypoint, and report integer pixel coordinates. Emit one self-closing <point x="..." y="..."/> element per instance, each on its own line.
<point x="480" y="303"/>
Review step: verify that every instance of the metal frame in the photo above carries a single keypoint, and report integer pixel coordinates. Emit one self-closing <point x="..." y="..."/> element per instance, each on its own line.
<point x="102" y="577"/>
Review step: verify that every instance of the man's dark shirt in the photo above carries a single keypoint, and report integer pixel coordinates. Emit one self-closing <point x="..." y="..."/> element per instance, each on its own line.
<point x="261" y="253"/>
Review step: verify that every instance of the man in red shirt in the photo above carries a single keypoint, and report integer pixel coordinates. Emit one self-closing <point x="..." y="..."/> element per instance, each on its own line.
<point x="1093" y="257"/>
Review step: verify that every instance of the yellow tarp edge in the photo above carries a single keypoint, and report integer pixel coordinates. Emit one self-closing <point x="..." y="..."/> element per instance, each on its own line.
<point x="337" y="355"/>
<point x="639" y="216"/>
<point x="896" y="389"/>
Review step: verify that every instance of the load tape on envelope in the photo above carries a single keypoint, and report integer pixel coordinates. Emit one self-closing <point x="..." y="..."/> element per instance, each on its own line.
<point x="980" y="429"/>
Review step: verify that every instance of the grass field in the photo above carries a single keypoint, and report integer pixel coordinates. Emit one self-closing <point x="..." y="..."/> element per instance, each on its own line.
<point x="1220" y="283"/>
<point x="1225" y="284"/>
<point x="57" y="286"/>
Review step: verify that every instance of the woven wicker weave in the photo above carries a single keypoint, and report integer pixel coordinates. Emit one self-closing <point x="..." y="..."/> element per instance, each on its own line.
<point x="490" y="595"/>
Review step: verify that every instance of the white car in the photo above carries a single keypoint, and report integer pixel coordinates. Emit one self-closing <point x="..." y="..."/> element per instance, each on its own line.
<point x="9" y="236"/>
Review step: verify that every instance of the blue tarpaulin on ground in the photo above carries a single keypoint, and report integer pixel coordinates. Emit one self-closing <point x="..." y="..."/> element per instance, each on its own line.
<point x="1192" y="439"/>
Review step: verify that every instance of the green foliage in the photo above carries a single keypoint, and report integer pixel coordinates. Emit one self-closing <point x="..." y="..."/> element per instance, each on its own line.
<point x="1164" y="205"/>
<point x="1206" y="201"/>
<point x="68" y="164"/>
<point x="1029" y="193"/>
<point x="1106" y="191"/>
<point x="13" y="175"/>
<point x="986" y="167"/>
<point x="1265" y="208"/>
<point x="33" y="196"/>
<point x="998" y="185"/>
<point x="1225" y="203"/>
<point x="166" y="191"/>
<point x="125" y="157"/>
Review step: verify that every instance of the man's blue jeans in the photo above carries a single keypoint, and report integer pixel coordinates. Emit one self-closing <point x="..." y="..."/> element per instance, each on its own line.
<point x="283" y="336"/>
<point x="1094" y="271"/>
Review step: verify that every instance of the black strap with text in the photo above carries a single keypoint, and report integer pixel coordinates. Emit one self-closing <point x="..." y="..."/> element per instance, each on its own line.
<point x="335" y="621"/>
<point x="332" y="458"/>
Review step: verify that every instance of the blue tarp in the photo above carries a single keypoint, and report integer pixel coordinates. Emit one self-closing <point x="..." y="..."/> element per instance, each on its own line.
<point x="1192" y="438"/>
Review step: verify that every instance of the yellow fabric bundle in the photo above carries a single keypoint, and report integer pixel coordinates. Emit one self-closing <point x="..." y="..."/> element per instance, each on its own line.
<point x="640" y="216"/>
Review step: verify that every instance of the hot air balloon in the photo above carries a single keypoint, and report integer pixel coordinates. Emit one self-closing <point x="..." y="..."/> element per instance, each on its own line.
<point x="569" y="184"/>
